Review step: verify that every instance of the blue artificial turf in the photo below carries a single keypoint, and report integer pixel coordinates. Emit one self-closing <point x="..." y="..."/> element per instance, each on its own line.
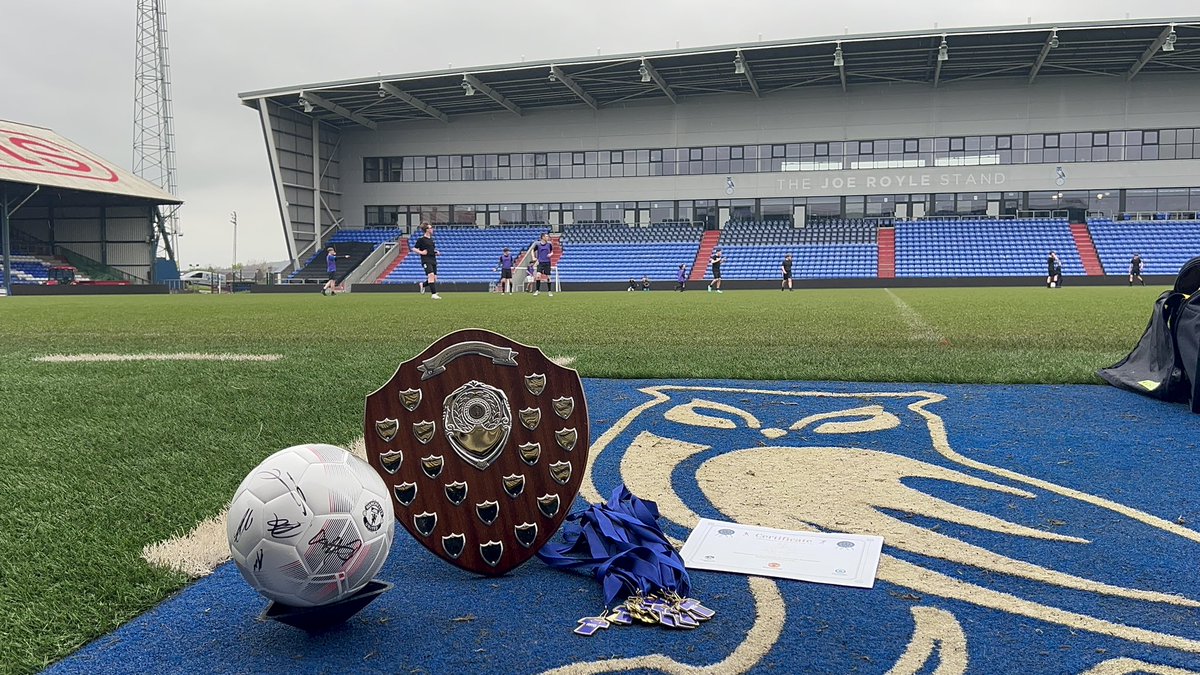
<point x="1098" y="440"/>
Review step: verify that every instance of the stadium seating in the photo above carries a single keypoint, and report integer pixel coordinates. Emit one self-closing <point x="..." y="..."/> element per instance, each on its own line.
<point x="1164" y="244"/>
<point x="782" y="232"/>
<point x="983" y="247"/>
<point x="35" y="269"/>
<point x="615" y="251"/>
<point x="468" y="254"/>
<point x="28" y="269"/>
<point x="832" y="248"/>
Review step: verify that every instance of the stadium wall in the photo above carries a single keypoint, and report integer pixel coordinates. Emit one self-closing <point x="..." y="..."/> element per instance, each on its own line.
<point x="1060" y="104"/>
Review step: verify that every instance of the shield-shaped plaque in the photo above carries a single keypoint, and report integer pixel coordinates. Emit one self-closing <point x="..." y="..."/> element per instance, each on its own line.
<point x="489" y="483"/>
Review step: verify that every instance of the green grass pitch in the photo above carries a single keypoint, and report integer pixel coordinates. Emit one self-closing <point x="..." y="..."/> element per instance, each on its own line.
<point x="100" y="459"/>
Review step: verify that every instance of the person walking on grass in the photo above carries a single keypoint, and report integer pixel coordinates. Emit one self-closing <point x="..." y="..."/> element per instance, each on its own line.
<point x="543" y="250"/>
<point x="681" y="279"/>
<point x="331" y="256"/>
<point x="1135" y="269"/>
<point x="715" y="261"/>
<point x="429" y="253"/>
<point x="786" y="269"/>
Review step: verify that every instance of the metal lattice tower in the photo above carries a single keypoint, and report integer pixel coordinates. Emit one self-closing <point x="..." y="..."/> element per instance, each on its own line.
<point x="153" y="125"/>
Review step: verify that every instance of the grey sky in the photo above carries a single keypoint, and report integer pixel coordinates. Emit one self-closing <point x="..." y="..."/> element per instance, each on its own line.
<point x="70" y="66"/>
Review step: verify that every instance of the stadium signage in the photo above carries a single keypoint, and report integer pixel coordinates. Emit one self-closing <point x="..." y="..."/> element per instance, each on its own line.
<point x="894" y="181"/>
<point x="23" y="151"/>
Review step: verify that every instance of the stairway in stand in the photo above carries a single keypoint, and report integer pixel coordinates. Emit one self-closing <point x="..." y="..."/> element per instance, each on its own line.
<point x="557" y="252"/>
<point x="887" y="253"/>
<point x="395" y="263"/>
<point x="700" y="265"/>
<point x="1087" y="250"/>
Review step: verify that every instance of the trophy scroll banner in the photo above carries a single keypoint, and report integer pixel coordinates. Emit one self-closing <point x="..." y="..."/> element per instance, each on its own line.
<point x="482" y="443"/>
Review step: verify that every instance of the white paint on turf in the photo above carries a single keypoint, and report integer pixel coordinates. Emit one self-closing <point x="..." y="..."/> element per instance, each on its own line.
<point x="200" y="551"/>
<point x="919" y="329"/>
<point x="185" y="356"/>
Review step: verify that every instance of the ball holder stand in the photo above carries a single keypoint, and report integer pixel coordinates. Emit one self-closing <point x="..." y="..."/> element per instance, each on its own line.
<point x="324" y="617"/>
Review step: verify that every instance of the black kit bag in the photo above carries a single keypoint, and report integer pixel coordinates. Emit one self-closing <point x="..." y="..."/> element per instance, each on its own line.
<point x="1164" y="364"/>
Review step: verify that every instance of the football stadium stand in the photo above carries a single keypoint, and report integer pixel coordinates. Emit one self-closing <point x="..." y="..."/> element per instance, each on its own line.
<point x="615" y="251"/>
<point x="983" y="247"/>
<point x="1163" y="244"/>
<point x="468" y="254"/>
<point x="833" y="248"/>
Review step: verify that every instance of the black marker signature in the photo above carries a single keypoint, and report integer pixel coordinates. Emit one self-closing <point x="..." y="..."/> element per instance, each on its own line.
<point x="344" y="551"/>
<point x="282" y="528"/>
<point x="292" y="488"/>
<point x="247" y="521"/>
<point x="258" y="560"/>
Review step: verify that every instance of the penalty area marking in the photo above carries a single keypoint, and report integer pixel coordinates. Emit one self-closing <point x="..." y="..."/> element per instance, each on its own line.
<point x="186" y="356"/>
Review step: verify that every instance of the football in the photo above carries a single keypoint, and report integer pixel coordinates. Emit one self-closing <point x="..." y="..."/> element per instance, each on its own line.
<point x="310" y="525"/>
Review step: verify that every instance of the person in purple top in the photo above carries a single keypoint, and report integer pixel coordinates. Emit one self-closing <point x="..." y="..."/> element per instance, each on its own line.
<point x="681" y="279"/>
<point x="331" y="257"/>
<point x="543" y="250"/>
<point x="506" y="270"/>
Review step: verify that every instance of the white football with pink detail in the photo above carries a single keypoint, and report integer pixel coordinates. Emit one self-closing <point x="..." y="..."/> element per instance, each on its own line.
<point x="310" y="525"/>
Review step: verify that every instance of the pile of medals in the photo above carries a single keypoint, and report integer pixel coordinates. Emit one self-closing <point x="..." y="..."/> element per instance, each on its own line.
<point x="671" y="611"/>
<point x="621" y="545"/>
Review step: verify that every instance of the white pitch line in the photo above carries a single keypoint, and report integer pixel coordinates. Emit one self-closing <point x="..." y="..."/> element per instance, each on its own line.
<point x="919" y="330"/>
<point x="108" y="358"/>
<point x="563" y="361"/>
<point x="206" y="546"/>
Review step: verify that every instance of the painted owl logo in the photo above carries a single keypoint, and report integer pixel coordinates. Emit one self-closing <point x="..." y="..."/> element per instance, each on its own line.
<point x="963" y="537"/>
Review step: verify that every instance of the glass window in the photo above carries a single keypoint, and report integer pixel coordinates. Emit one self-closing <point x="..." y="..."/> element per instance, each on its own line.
<point x="1183" y="136"/>
<point x="987" y="143"/>
<point x="910" y="145"/>
<point x="972" y="143"/>
<point x="1066" y="140"/>
<point x="807" y="149"/>
<point x="655" y="155"/>
<point x="736" y="152"/>
<point x="431" y="162"/>
<point x="1099" y="140"/>
<point x="1150" y="138"/>
<point x="577" y="158"/>
<point x="1034" y="141"/>
<point x="778" y="150"/>
<point x="618" y="157"/>
<point x="1133" y="138"/>
<point x="865" y="148"/>
<point x="1051" y="140"/>
<point x="956" y="144"/>
<point x="793" y="150"/>
<point x="1141" y="200"/>
<point x="821" y="149"/>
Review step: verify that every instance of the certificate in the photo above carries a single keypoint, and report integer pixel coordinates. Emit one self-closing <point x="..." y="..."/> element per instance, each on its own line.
<point x="821" y="557"/>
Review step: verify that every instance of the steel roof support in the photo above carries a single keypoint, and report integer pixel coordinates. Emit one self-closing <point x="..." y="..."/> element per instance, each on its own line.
<point x="1037" y="65"/>
<point x="741" y="63"/>
<point x="337" y="109"/>
<point x="492" y="94"/>
<point x="557" y="73"/>
<point x="1149" y="53"/>
<point x="658" y="79"/>
<point x="413" y="101"/>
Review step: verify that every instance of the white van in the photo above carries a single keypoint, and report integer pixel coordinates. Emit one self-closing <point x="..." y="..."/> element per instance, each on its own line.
<point x="202" y="278"/>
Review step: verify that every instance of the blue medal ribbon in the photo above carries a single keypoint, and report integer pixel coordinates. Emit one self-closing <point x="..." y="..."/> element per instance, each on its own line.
<point x="622" y="546"/>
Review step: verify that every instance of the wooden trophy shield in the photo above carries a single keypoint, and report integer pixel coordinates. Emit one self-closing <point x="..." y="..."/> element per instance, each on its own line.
<point x="482" y="442"/>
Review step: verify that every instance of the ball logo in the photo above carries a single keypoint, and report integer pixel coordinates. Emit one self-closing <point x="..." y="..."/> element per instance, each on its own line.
<point x="22" y="151"/>
<point x="373" y="516"/>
